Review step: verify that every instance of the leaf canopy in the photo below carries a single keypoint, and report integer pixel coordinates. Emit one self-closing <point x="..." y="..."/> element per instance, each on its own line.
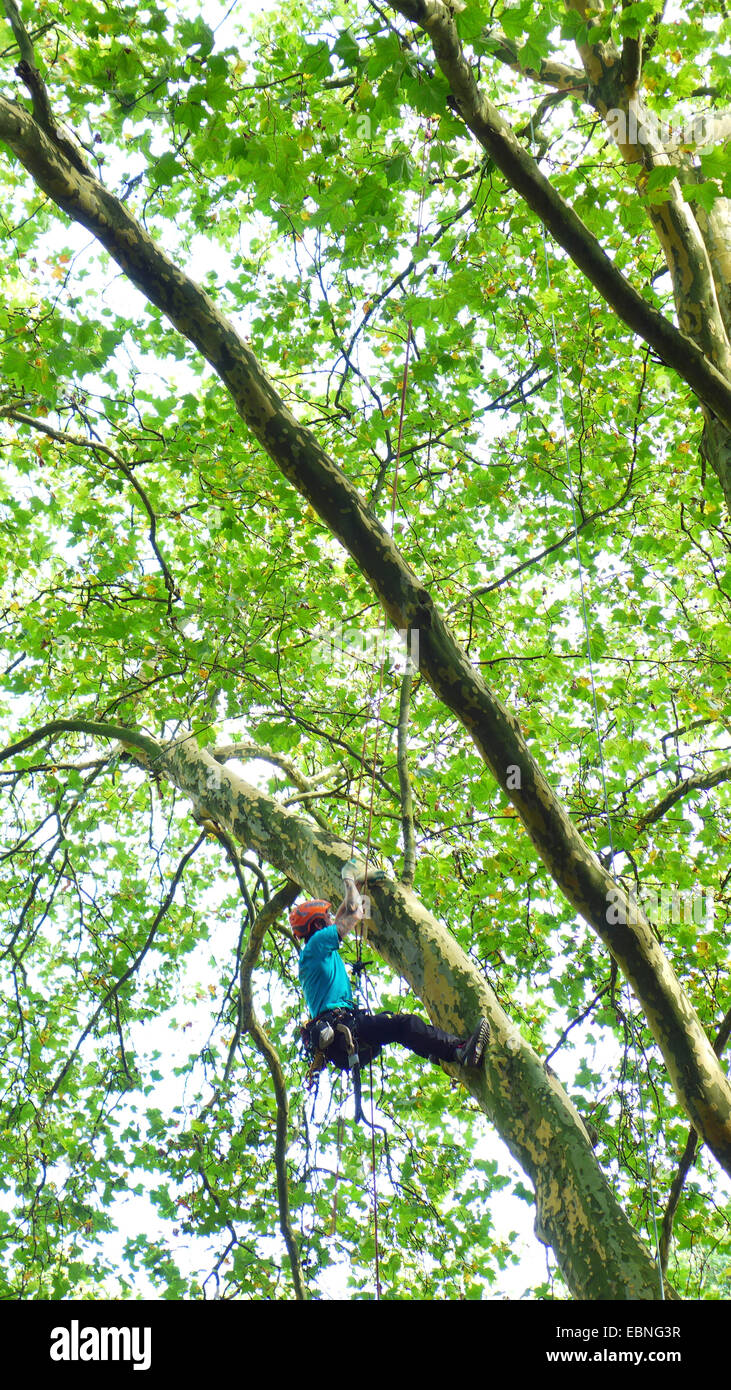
<point x="158" y="572"/>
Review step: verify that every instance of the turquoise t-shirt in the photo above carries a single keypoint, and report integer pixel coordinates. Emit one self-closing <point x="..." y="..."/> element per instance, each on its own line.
<point x="322" y="973"/>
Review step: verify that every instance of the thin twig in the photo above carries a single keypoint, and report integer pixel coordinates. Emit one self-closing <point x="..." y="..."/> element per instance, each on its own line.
<point x="78" y="441"/>
<point x="131" y="969"/>
<point x="265" y="919"/>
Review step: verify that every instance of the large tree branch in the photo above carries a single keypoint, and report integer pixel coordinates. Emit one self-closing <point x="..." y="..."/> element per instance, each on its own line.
<point x="247" y="750"/>
<point x="549" y="72"/>
<point x="119" y="733"/>
<point x="675" y="348"/>
<point x="692" y="241"/>
<point x="699" y="1081"/>
<point x="700" y="781"/>
<point x="715" y="228"/>
<point x="693" y="251"/>
<point x="697" y="245"/>
<point x="28" y="72"/>
<point x="528" y="1106"/>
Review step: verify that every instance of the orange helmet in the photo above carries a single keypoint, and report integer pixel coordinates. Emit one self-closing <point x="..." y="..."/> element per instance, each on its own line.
<point x="302" y="917"/>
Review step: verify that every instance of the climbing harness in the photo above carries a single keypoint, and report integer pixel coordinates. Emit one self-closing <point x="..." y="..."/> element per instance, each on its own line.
<point x="333" y="1038"/>
<point x="598" y="735"/>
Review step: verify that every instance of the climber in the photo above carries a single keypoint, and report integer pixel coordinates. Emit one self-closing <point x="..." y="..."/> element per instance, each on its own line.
<point x="342" y="1032"/>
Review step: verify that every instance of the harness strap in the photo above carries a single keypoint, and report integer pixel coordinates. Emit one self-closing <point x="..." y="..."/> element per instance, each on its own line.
<point x="354" y="1068"/>
<point x="353" y="1059"/>
<point x="359" y="1116"/>
<point x="320" y="1035"/>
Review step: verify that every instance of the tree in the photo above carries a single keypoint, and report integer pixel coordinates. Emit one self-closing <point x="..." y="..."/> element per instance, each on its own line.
<point x="560" y="809"/>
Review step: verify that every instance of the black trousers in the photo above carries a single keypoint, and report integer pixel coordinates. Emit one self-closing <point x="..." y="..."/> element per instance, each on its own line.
<point x="410" y="1031"/>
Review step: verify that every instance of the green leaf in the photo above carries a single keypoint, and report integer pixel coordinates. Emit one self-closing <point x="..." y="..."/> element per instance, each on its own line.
<point x="704" y="193"/>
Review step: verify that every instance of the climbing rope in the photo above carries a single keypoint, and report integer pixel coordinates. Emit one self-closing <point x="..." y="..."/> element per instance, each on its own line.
<point x="600" y="746"/>
<point x="394" y="501"/>
<point x="361" y="936"/>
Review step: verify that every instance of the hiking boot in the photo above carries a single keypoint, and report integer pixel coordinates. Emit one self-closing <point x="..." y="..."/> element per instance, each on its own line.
<point x="471" y="1052"/>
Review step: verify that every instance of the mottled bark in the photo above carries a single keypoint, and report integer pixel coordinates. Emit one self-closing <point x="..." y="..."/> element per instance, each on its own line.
<point x="694" y="245"/>
<point x="553" y="74"/>
<point x="611" y="82"/>
<point x="715" y="227"/>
